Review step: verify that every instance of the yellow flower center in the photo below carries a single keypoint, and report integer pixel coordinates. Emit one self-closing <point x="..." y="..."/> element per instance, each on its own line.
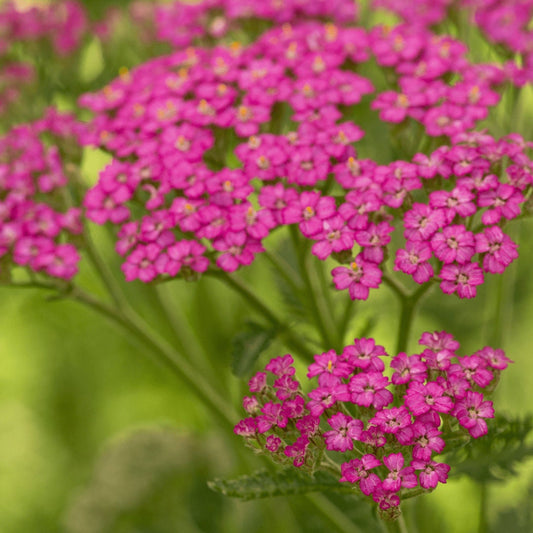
<point x="402" y="100"/>
<point x="124" y="73"/>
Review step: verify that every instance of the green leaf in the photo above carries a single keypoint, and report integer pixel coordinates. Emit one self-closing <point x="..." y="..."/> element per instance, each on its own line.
<point x="248" y="346"/>
<point x="263" y="484"/>
<point x="495" y="456"/>
<point x="93" y="162"/>
<point x="92" y="62"/>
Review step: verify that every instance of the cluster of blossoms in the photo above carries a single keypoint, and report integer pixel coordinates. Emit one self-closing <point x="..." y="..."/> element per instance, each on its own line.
<point x="13" y="78"/>
<point x="505" y="22"/>
<point x="180" y="24"/>
<point x="181" y="199"/>
<point x="38" y="225"/>
<point x="60" y="25"/>
<point x="453" y="234"/>
<point x="388" y="439"/>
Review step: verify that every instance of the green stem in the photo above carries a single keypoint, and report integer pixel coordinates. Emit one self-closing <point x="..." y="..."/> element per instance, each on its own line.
<point x="183" y="331"/>
<point x="396" y="526"/>
<point x="285" y="269"/>
<point x="321" y="303"/>
<point x="333" y="514"/>
<point x="103" y="272"/>
<point x="345" y="320"/>
<point x="171" y="359"/>
<point x="407" y="312"/>
<point x="325" y="287"/>
<point x="164" y="352"/>
<point x="396" y="286"/>
<point x="322" y="317"/>
<point x="239" y="286"/>
<point x="483" y="526"/>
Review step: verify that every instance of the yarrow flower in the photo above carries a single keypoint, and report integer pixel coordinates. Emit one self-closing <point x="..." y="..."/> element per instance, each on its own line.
<point x="38" y="227"/>
<point x="389" y="449"/>
<point x="165" y="121"/>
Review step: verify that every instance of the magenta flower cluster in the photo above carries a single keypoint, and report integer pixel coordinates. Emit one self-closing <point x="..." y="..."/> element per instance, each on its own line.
<point x="388" y="429"/>
<point x="62" y="23"/>
<point x="182" y="200"/>
<point x="180" y="24"/>
<point x="38" y="223"/>
<point x="505" y="22"/>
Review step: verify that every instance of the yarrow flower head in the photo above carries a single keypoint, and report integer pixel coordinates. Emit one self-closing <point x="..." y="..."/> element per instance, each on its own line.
<point x="38" y="226"/>
<point x="389" y="449"/>
<point x="166" y="121"/>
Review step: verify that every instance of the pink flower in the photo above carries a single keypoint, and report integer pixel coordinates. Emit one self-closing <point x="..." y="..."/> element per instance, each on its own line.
<point x="246" y="427"/>
<point x="473" y="368"/>
<point x="471" y="412"/>
<point x="365" y="354"/>
<point x="503" y="202"/>
<point x="345" y="430"/>
<point x="495" y="358"/>
<point x="297" y="450"/>
<point x="140" y="264"/>
<point x="329" y="362"/>
<point x="315" y="209"/>
<point x="456" y="202"/>
<point x="373" y="240"/>
<point x="421" y="222"/>
<point x="237" y="250"/>
<point x="322" y="398"/>
<point x="272" y="443"/>
<point x="398" y="476"/>
<point x="462" y="279"/>
<point x="455" y="243"/>
<point x="408" y="368"/>
<point x="358" y="278"/>
<point x="391" y="420"/>
<point x="281" y="366"/>
<point x="427" y="441"/>
<point x="358" y="470"/>
<point x="286" y="387"/>
<point x="384" y="498"/>
<point x="334" y="236"/>
<point x="188" y="254"/>
<point x="422" y="398"/>
<point x="498" y="249"/>
<point x="368" y="389"/>
<point x="414" y="260"/>
<point x="431" y="472"/>
<point x="272" y="415"/>
<point x="439" y="340"/>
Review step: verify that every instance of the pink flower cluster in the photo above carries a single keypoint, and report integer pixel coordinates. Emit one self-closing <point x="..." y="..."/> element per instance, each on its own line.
<point x="62" y="22"/>
<point x="180" y="24"/>
<point x="182" y="199"/>
<point x="13" y="78"/>
<point x="38" y="225"/>
<point x="389" y="430"/>
<point x="505" y="22"/>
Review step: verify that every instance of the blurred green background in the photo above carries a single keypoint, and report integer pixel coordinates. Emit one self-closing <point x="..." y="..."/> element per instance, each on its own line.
<point x="96" y="437"/>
